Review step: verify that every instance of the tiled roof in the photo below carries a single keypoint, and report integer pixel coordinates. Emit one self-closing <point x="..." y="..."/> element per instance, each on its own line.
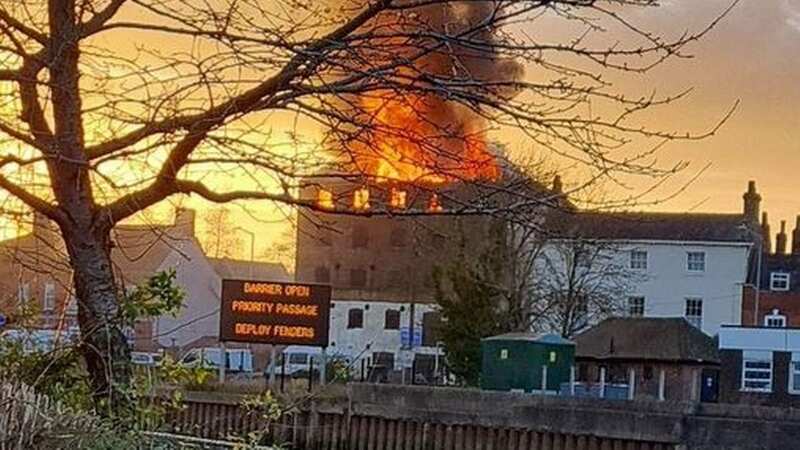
<point x="237" y="269"/>
<point x="686" y="227"/>
<point x="139" y="250"/>
<point x="646" y="339"/>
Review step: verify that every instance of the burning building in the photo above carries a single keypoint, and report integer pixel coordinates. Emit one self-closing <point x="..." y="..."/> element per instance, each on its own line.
<point x="381" y="265"/>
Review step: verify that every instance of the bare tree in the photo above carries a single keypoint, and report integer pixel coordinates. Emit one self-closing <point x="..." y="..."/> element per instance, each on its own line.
<point x="578" y="282"/>
<point x="221" y="238"/>
<point x="121" y="104"/>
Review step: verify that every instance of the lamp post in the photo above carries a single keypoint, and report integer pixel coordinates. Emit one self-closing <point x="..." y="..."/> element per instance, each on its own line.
<point x="759" y="243"/>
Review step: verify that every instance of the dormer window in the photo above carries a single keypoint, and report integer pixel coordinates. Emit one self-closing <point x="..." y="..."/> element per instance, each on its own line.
<point x="779" y="281"/>
<point x="775" y="320"/>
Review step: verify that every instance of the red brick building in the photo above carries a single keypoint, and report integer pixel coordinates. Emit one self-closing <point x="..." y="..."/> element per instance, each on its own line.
<point x="778" y="298"/>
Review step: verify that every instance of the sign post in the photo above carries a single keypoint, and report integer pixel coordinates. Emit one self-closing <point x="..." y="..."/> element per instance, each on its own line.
<point x="277" y="313"/>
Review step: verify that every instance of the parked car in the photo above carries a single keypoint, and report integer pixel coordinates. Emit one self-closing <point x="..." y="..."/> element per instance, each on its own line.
<point x="40" y="340"/>
<point x="236" y="359"/>
<point x="146" y="359"/>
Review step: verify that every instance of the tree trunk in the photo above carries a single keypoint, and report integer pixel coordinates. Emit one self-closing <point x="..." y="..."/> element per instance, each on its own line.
<point x="104" y="345"/>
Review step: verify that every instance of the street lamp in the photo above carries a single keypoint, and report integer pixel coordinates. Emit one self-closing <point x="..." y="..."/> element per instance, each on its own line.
<point x="759" y="240"/>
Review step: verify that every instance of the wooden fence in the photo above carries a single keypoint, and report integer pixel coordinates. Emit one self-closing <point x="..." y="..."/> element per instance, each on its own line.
<point x="332" y="425"/>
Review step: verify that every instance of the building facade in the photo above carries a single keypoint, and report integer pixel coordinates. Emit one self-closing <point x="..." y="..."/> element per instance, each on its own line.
<point x="760" y="366"/>
<point x="676" y="265"/>
<point x="381" y="267"/>
<point x="37" y="289"/>
<point x="666" y="358"/>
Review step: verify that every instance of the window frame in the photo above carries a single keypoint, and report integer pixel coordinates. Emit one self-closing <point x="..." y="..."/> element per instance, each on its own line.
<point x="71" y="308"/>
<point x="353" y="277"/>
<point x="322" y="270"/>
<point x="636" y="263"/>
<point x="393" y="312"/>
<point x="350" y="321"/>
<point x="689" y="262"/>
<point x="773" y="279"/>
<point x="631" y="305"/>
<point x="795" y="359"/>
<point x="49" y="297"/>
<point x="757" y="356"/>
<point x="776" y="317"/>
<point x="691" y="318"/>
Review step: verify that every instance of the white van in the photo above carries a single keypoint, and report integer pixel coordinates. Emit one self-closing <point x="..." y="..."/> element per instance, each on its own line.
<point x="236" y="359"/>
<point x="294" y="360"/>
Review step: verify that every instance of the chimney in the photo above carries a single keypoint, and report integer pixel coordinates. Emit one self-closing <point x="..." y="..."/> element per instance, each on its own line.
<point x="765" y="234"/>
<point x="184" y="221"/>
<point x="796" y="237"/>
<point x="780" y="240"/>
<point x="752" y="203"/>
<point x="558" y="186"/>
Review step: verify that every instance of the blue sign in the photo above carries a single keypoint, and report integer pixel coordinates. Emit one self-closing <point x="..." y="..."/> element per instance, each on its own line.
<point x="3" y="321"/>
<point x="406" y="342"/>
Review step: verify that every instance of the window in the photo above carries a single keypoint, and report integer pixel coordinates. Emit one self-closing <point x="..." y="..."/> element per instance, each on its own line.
<point x="325" y="199"/>
<point x="72" y="305"/>
<point x="757" y="371"/>
<point x="23" y="292"/>
<point x="635" y="306"/>
<point x="392" y="320"/>
<point x="775" y="320"/>
<point x="398" y="237"/>
<point x="696" y="261"/>
<point x="361" y="199"/>
<point x="358" y="278"/>
<point x="383" y="359"/>
<point x="49" y="297"/>
<point x="694" y="311"/>
<point x="322" y="274"/>
<point x="355" y="318"/>
<point x="360" y="237"/>
<point x="430" y="326"/>
<point x="794" y="374"/>
<point x="779" y="281"/>
<point x="638" y="260"/>
<point x="298" y="358"/>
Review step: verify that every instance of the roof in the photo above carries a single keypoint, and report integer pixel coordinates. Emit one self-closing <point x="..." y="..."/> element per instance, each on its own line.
<point x="646" y="339"/>
<point x="781" y="263"/>
<point x="139" y="250"/>
<point x="237" y="269"/>
<point x="531" y="337"/>
<point x="685" y="227"/>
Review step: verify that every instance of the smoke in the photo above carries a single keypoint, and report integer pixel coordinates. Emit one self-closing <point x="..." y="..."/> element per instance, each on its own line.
<point x="429" y="119"/>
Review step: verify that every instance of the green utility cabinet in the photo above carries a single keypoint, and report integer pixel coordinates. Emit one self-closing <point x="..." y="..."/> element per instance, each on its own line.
<point x="514" y="361"/>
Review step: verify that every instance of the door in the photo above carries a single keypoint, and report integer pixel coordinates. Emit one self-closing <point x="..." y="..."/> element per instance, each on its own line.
<point x="709" y="386"/>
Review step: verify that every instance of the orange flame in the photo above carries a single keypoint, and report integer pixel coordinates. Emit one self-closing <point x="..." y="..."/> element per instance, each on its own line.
<point x="325" y="199"/>
<point x="397" y="198"/>
<point x="409" y="145"/>
<point x="361" y="199"/>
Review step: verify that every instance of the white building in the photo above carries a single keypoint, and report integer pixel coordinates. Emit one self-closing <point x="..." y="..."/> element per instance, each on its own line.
<point x="379" y="331"/>
<point x="680" y="264"/>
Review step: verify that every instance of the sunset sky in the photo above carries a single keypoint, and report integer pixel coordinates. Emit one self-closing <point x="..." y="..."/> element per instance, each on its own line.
<point x="749" y="57"/>
<point x="752" y="57"/>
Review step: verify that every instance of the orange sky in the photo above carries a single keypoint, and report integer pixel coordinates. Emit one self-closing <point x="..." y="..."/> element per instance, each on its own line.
<point x="750" y="57"/>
